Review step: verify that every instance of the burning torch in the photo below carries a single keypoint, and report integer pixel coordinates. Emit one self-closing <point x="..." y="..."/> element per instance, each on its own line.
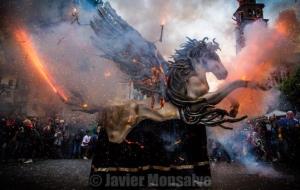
<point x="161" y="32"/>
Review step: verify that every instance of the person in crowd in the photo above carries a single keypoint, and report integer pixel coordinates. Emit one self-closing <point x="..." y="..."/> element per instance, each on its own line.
<point x="20" y="142"/>
<point x="273" y="140"/>
<point x="67" y="143"/>
<point x="94" y="139"/>
<point x="260" y="140"/>
<point x="288" y="127"/>
<point x="61" y="125"/>
<point x="56" y="123"/>
<point x="48" y="138"/>
<point x="28" y="141"/>
<point x="282" y="145"/>
<point x="219" y="153"/>
<point x="85" y="144"/>
<point x="77" y="144"/>
<point x="58" y="140"/>
<point x="7" y="133"/>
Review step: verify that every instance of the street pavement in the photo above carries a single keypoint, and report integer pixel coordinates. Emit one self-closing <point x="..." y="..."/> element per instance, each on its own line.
<point x="73" y="175"/>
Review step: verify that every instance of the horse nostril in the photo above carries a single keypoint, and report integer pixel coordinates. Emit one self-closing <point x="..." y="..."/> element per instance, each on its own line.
<point x="225" y="74"/>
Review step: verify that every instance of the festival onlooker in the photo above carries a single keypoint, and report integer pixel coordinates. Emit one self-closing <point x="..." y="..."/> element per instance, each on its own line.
<point x="287" y="134"/>
<point x="5" y="138"/>
<point x="273" y="139"/>
<point x="48" y="136"/>
<point x="77" y="144"/>
<point x="85" y="145"/>
<point x="67" y="143"/>
<point x="94" y="139"/>
<point x="28" y="141"/>
<point x="58" y="140"/>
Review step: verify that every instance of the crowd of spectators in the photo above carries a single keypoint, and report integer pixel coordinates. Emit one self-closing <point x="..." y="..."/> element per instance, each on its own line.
<point x="269" y="139"/>
<point x="27" y="139"/>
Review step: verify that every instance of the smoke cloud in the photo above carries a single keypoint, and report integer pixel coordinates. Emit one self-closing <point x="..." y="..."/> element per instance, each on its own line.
<point x="267" y="56"/>
<point x="270" y="52"/>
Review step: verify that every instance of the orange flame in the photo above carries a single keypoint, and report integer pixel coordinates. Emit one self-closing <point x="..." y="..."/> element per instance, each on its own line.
<point x="28" y="49"/>
<point x="163" y="22"/>
<point x="135" y="143"/>
<point x="287" y="24"/>
<point x="107" y="74"/>
<point x="282" y="28"/>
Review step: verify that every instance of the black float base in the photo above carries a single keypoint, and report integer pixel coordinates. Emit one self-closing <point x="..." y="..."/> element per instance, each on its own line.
<point x="168" y="154"/>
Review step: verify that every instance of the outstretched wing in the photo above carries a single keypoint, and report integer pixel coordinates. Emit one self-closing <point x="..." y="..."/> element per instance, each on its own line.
<point x="134" y="55"/>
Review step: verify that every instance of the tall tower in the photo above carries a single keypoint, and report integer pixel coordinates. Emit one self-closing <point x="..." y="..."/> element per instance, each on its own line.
<point x="248" y="12"/>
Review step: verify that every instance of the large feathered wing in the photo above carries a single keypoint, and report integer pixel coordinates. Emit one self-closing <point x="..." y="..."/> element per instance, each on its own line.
<point x="125" y="46"/>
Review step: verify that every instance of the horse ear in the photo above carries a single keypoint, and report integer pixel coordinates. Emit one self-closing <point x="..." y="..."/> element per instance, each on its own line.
<point x="217" y="45"/>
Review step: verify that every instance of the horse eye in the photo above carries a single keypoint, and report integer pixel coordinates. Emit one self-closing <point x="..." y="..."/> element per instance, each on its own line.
<point x="214" y="57"/>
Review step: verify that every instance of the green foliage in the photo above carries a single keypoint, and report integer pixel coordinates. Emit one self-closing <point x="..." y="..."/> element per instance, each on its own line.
<point x="291" y="88"/>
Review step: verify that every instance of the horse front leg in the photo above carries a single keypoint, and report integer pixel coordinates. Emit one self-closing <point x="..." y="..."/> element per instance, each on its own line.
<point x="216" y="97"/>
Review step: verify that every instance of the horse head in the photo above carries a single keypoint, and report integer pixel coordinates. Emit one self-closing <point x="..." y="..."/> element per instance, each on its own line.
<point x="203" y="56"/>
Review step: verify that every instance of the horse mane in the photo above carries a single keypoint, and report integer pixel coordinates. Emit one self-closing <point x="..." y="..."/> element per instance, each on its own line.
<point x="195" y="48"/>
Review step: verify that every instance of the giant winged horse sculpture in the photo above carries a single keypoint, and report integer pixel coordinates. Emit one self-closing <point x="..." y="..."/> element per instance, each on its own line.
<point x="182" y="82"/>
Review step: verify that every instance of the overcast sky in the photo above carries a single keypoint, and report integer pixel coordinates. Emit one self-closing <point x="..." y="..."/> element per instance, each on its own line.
<point x="193" y="18"/>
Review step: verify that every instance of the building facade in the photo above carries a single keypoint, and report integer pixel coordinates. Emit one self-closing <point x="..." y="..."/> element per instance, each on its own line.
<point x="248" y="12"/>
